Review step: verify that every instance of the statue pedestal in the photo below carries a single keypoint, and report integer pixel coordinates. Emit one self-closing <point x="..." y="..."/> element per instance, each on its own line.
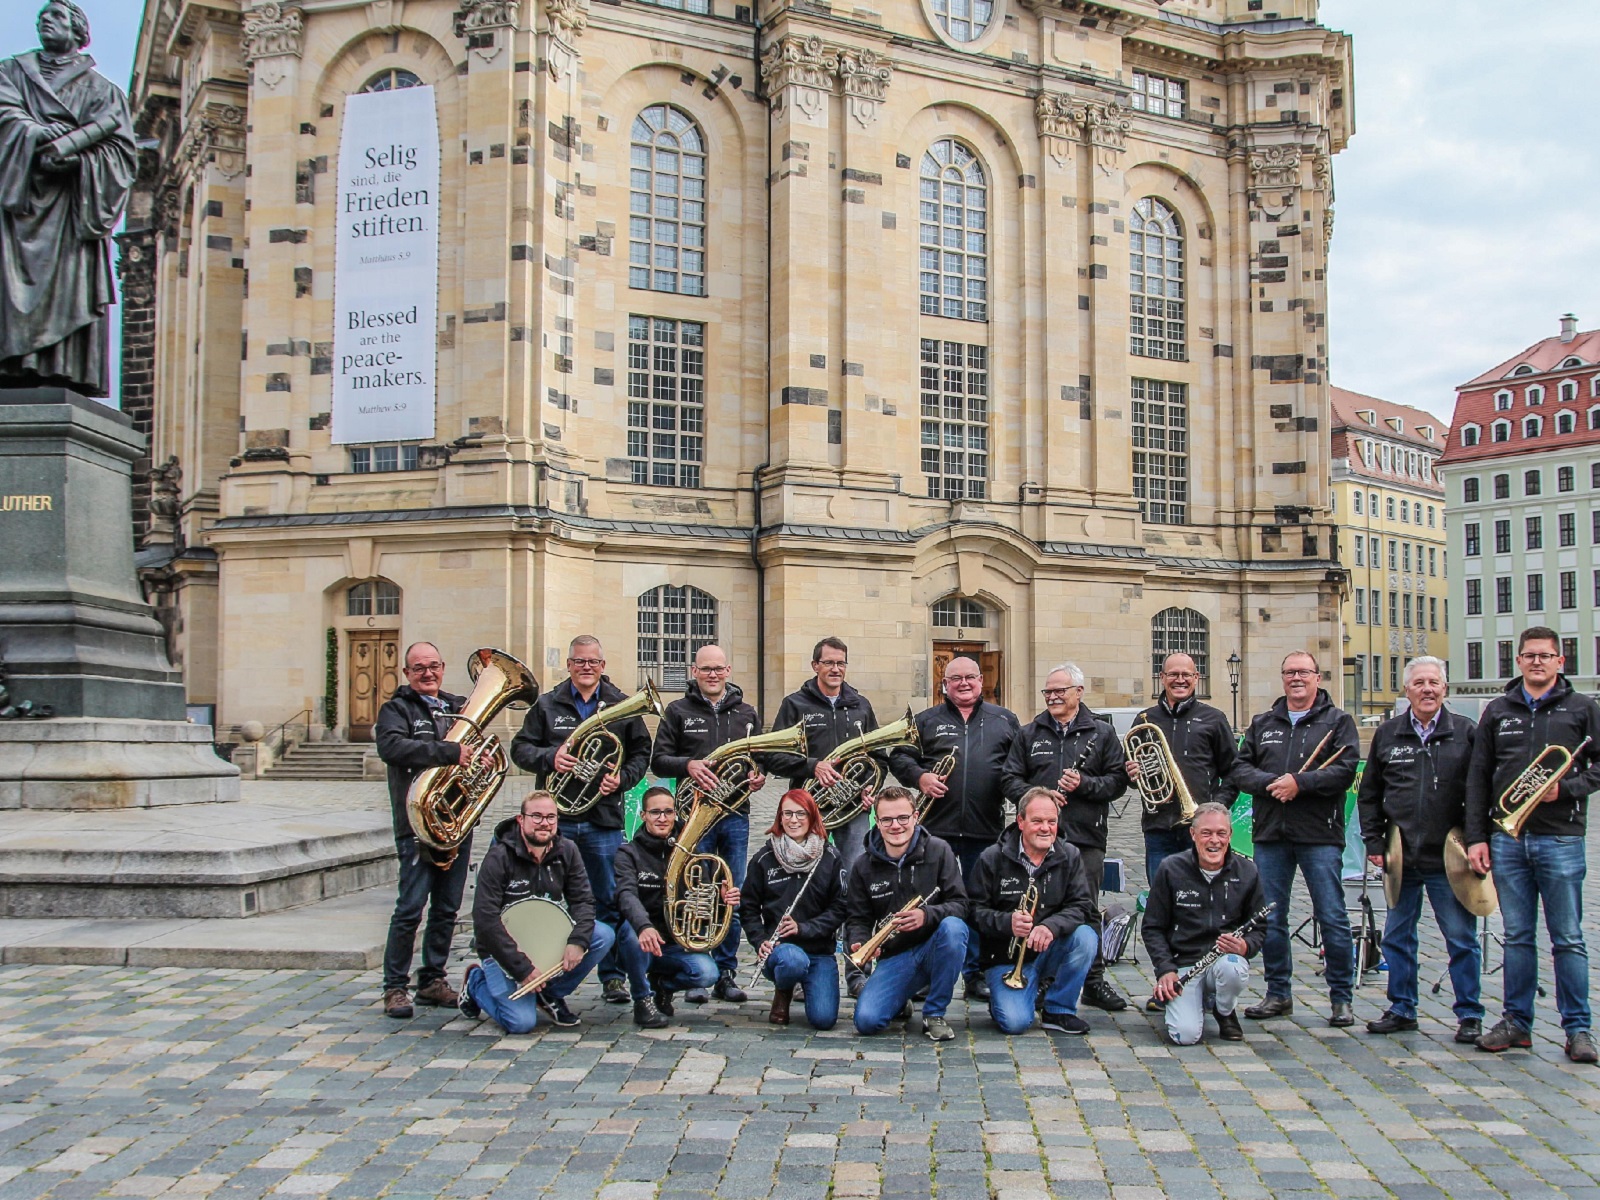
<point x="93" y="763"/>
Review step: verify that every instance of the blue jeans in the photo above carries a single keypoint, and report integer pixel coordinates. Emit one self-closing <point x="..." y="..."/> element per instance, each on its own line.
<point x="1319" y="865"/>
<point x="599" y="848"/>
<point x="936" y="965"/>
<point x="1161" y="844"/>
<point x="491" y="987"/>
<point x="849" y="838"/>
<point x="729" y="840"/>
<point x="1460" y="931"/>
<point x="423" y="885"/>
<point x="676" y="970"/>
<point x="788" y="965"/>
<point x="1065" y="963"/>
<point x="1527" y="870"/>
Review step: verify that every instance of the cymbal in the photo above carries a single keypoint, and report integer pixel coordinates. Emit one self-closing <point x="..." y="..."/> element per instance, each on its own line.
<point x="1476" y="892"/>
<point x="1393" y="866"/>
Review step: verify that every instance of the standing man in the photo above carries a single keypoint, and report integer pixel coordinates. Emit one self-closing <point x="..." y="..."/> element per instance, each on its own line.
<point x="541" y="746"/>
<point x="1416" y="779"/>
<point x="1055" y="932"/>
<point x="967" y="809"/>
<point x="1297" y="761"/>
<point x="711" y="713"/>
<point x="898" y="863"/>
<point x="1546" y="863"/>
<point x="409" y="732"/>
<point x="529" y="860"/>
<point x="1078" y="757"/>
<point x="1198" y="901"/>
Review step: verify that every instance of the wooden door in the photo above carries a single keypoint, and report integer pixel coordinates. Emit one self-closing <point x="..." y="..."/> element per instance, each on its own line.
<point x="989" y="663"/>
<point x="372" y="676"/>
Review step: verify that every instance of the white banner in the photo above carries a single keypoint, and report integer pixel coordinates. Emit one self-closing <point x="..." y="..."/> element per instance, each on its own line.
<point x="386" y="273"/>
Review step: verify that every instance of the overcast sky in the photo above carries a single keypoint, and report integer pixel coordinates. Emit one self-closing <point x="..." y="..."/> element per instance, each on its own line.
<point x="1467" y="200"/>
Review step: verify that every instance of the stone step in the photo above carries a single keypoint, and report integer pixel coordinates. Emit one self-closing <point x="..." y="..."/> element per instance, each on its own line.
<point x="308" y="771"/>
<point x="321" y="760"/>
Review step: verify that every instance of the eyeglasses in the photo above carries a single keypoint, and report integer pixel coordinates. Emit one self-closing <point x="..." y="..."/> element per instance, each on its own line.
<point x="1300" y="674"/>
<point x="794" y="815"/>
<point x="963" y="678"/>
<point x="660" y="812"/>
<point x="586" y="662"/>
<point x="905" y="820"/>
<point x="1179" y="676"/>
<point x="432" y="668"/>
<point x="1048" y="693"/>
<point x="541" y="818"/>
<point x="1538" y="656"/>
<point x="713" y="670"/>
<point x="832" y="663"/>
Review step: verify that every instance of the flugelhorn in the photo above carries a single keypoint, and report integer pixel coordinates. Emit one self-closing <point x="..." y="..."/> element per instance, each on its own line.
<point x="838" y="802"/>
<point x="1521" y="800"/>
<point x="598" y="751"/>
<point x="444" y="803"/>
<point x="1160" y="781"/>
<point x="734" y="764"/>
<point x="1019" y="945"/>
<point x="886" y="929"/>
<point x="942" y="770"/>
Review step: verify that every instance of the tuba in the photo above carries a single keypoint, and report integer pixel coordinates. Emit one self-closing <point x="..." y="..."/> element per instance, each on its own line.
<point x="598" y="751"/>
<point x="1160" y="781"/>
<point x="1521" y="800"/>
<point x="733" y="764"/>
<point x="444" y="803"/>
<point x="838" y="802"/>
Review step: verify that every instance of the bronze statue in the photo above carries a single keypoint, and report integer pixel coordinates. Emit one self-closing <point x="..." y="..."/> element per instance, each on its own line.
<point x="67" y="162"/>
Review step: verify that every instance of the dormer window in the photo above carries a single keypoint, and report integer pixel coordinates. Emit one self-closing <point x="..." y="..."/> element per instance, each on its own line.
<point x="1567" y="422"/>
<point x="1395" y="423"/>
<point x="1426" y="431"/>
<point x="1522" y="369"/>
<point x="1532" y="427"/>
<point x="1471" y="433"/>
<point x="1568" y="364"/>
<point x="1502" y="402"/>
<point x="1367" y="415"/>
<point x="1500" y="431"/>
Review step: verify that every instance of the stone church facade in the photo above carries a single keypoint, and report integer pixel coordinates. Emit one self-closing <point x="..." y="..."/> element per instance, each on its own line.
<point x="988" y="326"/>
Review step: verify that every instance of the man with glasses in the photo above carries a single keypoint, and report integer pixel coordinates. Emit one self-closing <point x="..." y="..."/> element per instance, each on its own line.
<point x="967" y="809"/>
<point x="711" y="713"/>
<point x="1078" y="757"/>
<point x="541" y="747"/>
<point x="409" y="732"/>
<point x="1545" y="863"/>
<point x="530" y="860"/>
<point x="1297" y="761"/>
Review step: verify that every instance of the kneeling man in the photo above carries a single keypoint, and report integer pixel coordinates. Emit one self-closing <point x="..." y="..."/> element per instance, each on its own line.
<point x="1198" y="900"/>
<point x="530" y="859"/>
<point x="1030" y="896"/>
<point x="898" y="863"/>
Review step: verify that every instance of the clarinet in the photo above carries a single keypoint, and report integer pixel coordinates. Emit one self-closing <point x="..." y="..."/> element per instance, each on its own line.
<point x="1211" y="955"/>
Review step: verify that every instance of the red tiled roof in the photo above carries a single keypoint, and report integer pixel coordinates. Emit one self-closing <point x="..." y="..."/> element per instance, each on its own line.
<point x="1475" y="401"/>
<point x="1349" y="426"/>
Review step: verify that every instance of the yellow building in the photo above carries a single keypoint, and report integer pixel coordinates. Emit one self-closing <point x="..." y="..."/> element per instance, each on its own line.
<point x="1389" y="503"/>
<point x="983" y="325"/>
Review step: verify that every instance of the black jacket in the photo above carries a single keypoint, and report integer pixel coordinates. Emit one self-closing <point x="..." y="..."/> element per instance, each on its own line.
<point x="1202" y="742"/>
<point x="1421" y="788"/>
<point x="641" y="870"/>
<point x="410" y="741"/>
<point x="878" y="885"/>
<point x="691" y="729"/>
<point x="1002" y="876"/>
<point x="1510" y="736"/>
<point x="974" y="807"/>
<point x="1184" y="915"/>
<point x="1090" y="745"/>
<point x="769" y="890"/>
<point x="826" y="726"/>
<point x="551" y="720"/>
<point x="1274" y="747"/>
<point x="508" y="874"/>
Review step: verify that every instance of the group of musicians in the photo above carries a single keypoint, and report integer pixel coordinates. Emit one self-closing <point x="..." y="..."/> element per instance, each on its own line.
<point x="928" y="882"/>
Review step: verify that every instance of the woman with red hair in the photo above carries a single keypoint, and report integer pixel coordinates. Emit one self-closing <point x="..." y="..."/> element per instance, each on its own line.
<point x="791" y="907"/>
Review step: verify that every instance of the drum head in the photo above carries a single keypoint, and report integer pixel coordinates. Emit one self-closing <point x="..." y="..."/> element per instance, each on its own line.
<point x="540" y="928"/>
<point x="1393" y="867"/>
<point x="1476" y="892"/>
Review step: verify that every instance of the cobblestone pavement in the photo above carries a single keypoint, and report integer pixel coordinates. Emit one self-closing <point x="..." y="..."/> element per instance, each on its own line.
<point x="238" y="1084"/>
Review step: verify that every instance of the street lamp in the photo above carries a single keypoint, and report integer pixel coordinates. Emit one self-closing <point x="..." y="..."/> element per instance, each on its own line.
<point x="1233" y="682"/>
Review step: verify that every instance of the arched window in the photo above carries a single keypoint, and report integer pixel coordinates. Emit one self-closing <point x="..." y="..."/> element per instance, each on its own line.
<point x="1155" y="264"/>
<point x="1469" y="435"/>
<point x="1500" y="431"/>
<point x="954" y="211"/>
<point x="375" y="598"/>
<point x="954" y="612"/>
<point x="1523" y="369"/>
<point x="1566" y="422"/>
<point x="674" y="622"/>
<point x="1594" y="417"/>
<point x="1181" y="631"/>
<point x="1532" y="427"/>
<point x="391" y="80"/>
<point x="964" y="20"/>
<point x="1469" y="490"/>
<point x="667" y="203"/>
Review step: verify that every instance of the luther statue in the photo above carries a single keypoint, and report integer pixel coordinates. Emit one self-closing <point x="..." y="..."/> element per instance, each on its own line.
<point x="67" y="162"/>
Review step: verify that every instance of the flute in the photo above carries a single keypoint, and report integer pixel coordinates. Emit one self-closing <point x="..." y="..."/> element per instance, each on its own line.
<point x="761" y="957"/>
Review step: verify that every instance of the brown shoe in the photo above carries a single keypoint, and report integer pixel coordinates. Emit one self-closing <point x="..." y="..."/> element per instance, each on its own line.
<point x="781" y="999"/>
<point x="397" y="1003"/>
<point x="437" y="993"/>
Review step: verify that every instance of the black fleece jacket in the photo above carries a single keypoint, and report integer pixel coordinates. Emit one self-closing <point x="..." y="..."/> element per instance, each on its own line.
<point x="1421" y="787"/>
<point x="410" y="741"/>
<point x="879" y="885"/>
<point x="508" y="874"/>
<point x="1273" y="746"/>
<point x="974" y="807"/>
<point x="691" y="729"/>
<point x="1511" y="735"/>
<point x="1184" y="915"/>
<point x="1089" y="744"/>
<point x="826" y="726"/>
<point x="551" y="720"/>
<point x="1202" y="742"/>
<point x="1002" y="876"/>
<point x="769" y="890"/>
<point x="641" y="870"/>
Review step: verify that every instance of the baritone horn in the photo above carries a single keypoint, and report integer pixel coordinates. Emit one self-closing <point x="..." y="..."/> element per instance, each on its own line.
<point x="734" y="765"/>
<point x="838" y="802"/>
<point x="1160" y="782"/>
<point x="444" y="803"/>
<point x="1521" y="800"/>
<point x="696" y="913"/>
<point x="598" y="751"/>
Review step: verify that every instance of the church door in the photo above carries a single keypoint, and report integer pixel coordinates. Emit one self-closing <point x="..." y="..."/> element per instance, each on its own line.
<point x="373" y="675"/>
<point x="989" y="663"/>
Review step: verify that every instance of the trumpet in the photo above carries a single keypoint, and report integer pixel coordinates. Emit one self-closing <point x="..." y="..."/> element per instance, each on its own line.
<point x="942" y="769"/>
<point x="1019" y="945"/>
<point x="598" y="751"/>
<point x="1521" y="800"/>
<point x="840" y="801"/>
<point x="1160" y="781"/>
<point x="887" y="929"/>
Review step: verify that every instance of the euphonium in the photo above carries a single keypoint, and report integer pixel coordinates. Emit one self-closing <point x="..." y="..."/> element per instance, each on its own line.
<point x="1521" y="800"/>
<point x="733" y="764"/>
<point x="1160" y="781"/>
<point x="598" y="751"/>
<point x="444" y="803"/>
<point x="1019" y="945"/>
<point x="838" y="802"/>
<point x="692" y="892"/>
